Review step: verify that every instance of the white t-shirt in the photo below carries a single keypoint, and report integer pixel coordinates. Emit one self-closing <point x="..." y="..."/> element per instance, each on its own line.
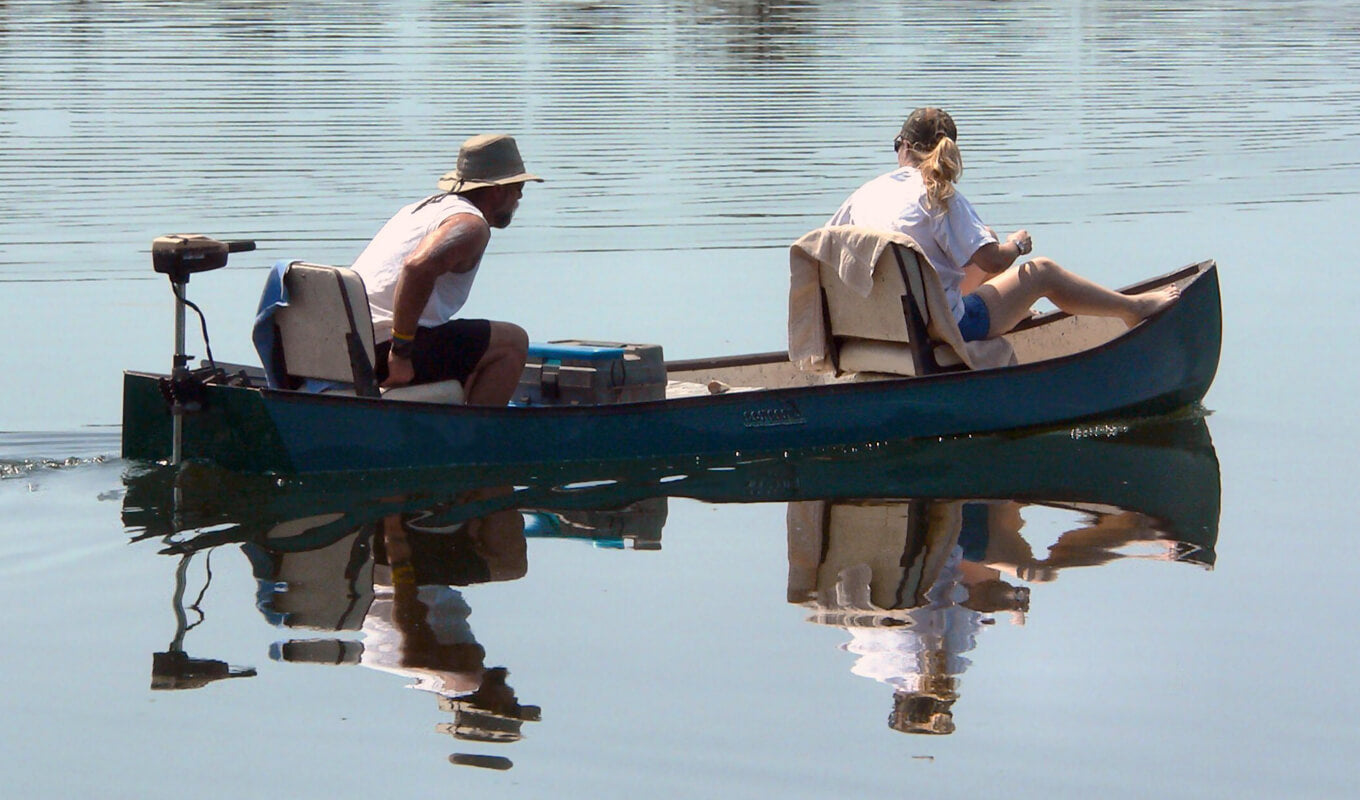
<point x="385" y="645"/>
<point x="380" y="264"/>
<point x="896" y="656"/>
<point x="897" y="202"/>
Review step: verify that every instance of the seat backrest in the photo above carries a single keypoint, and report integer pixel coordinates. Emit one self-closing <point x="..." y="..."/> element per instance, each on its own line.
<point x="327" y="587"/>
<point x="878" y="316"/>
<point x="905" y="544"/>
<point x="325" y="329"/>
<point x="888" y="330"/>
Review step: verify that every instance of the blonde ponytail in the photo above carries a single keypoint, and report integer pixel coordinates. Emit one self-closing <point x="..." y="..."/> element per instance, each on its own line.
<point x="940" y="168"/>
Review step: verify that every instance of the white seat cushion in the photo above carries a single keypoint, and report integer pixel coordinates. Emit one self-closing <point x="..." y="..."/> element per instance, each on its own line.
<point x="439" y="392"/>
<point x="893" y="358"/>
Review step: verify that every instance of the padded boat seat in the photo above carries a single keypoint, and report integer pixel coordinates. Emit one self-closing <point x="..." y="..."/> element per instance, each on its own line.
<point x="882" y="308"/>
<point x="892" y="358"/>
<point x="326" y="334"/>
<point x="855" y="558"/>
<point x="885" y="332"/>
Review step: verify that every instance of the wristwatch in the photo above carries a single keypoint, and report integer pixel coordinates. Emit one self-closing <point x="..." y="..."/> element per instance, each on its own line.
<point x="1021" y="247"/>
<point x="401" y="348"/>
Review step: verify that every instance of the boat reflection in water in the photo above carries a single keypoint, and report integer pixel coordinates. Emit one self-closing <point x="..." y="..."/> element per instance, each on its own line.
<point x="913" y="580"/>
<point x="388" y="566"/>
<point x="911" y="548"/>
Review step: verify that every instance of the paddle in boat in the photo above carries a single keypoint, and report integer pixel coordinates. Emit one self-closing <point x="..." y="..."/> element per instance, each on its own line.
<point x="874" y="356"/>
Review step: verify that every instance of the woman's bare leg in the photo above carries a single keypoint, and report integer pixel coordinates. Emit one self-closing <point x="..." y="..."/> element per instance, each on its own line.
<point x="1009" y="296"/>
<point x="973" y="277"/>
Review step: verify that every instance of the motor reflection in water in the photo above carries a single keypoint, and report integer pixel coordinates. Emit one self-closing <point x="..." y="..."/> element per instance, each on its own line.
<point x="912" y="549"/>
<point x="388" y="568"/>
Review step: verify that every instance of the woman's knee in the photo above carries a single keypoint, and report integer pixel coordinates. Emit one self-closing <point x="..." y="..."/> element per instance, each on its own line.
<point x="1041" y="266"/>
<point x="1042" y="271"/>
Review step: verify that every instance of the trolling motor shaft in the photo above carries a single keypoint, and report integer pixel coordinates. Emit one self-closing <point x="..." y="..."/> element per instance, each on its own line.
<point x="177" y="256"/>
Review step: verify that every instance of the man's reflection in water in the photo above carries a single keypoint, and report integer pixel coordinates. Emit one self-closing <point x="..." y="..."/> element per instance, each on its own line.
<point x="396" y="582"/>
<point x="418" y="625"/>
<point x="913" y="582"/>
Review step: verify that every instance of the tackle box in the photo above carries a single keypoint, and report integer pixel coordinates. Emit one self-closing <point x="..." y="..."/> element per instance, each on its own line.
<point x="636" y="527"/>
<point x="583" y="373"/>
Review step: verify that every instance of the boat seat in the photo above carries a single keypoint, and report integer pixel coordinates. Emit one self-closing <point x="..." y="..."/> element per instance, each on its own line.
<point x="866" y="557"/>
<point x="326" y="334"/>
<point x="883" y="309"/>
<point x="887" y="331"/>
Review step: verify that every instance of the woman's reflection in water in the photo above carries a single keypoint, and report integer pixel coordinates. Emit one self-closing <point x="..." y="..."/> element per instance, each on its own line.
<point x="913" y="582"/>
<point x="418" y="624"/>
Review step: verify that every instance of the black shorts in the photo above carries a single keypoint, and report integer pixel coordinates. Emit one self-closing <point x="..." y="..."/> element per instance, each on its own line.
<point x="448" y="352"/>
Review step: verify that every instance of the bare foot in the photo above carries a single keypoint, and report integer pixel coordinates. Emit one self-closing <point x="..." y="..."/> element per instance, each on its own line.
<point x="1148" y="303"/>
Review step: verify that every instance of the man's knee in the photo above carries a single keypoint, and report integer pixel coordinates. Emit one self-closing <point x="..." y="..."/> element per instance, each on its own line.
<point x="509" y="338"/>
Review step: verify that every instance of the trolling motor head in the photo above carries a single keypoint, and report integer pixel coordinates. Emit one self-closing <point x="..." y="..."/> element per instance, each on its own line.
<point x="179" y="255"/>
<point x="176" y="669"/>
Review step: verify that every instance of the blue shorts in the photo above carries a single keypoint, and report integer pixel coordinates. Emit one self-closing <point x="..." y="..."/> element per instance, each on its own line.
<point x="977" y="320"/>
<point x="975" y="531"/>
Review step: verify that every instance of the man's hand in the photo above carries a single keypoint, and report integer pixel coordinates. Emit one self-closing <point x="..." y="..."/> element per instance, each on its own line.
<point x="399" y="371"/>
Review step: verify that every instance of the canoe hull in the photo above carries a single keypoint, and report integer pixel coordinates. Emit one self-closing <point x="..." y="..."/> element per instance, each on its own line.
<point x="1163" y="365"/>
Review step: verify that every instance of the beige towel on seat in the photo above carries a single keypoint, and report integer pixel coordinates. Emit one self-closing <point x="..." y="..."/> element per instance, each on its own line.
<point x="854" y="252"/>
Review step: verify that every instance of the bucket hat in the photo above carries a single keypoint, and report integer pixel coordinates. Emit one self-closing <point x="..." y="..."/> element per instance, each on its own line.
<point x="489" y="159"/>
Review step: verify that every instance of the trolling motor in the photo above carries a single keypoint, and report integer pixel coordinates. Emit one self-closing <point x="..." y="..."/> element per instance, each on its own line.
<point x="175" y="668"/>
<point x="177" y="256"/>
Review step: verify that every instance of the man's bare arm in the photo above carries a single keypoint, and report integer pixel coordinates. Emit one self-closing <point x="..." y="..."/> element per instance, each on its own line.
<point x="456" y="245"/>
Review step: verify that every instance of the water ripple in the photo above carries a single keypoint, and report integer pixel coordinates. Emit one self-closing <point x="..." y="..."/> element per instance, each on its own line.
<point x="704" y="125"/>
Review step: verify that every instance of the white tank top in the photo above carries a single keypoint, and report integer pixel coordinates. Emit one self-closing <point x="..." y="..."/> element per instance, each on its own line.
<point x="380" y="264"/>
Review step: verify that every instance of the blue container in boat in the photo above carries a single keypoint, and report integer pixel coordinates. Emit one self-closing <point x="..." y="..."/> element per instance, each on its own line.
<point x="584" y="373"/>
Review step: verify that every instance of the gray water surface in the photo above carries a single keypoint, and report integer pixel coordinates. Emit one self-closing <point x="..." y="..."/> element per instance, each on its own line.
<point x="1195" y="644"/>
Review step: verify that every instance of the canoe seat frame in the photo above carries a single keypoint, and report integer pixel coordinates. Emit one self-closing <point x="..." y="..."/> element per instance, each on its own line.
<point x="881" y="332"/>
<point x="326" y="334"/>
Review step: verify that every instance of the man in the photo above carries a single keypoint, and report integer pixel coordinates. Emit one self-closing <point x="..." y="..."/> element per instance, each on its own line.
<point x="419" y="269"/>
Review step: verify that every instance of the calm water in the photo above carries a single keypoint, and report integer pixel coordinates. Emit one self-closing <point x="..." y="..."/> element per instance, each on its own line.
<point x="1163" y="609"/>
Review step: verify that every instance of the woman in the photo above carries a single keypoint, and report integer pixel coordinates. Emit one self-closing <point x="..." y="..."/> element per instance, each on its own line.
<point x="986" y="293"/>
